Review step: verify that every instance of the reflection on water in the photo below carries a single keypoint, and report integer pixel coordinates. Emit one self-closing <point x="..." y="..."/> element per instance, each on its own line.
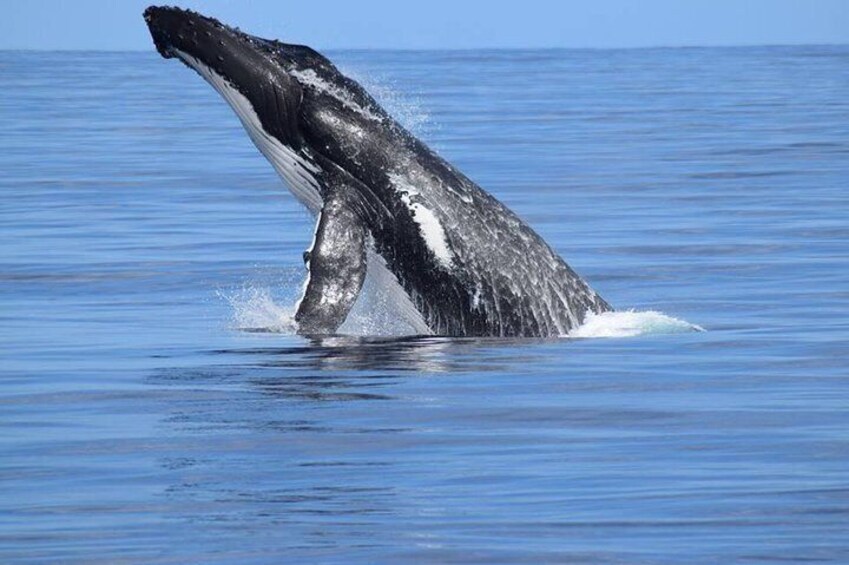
<point x="402" y="354"/>
<point x="139" y="426"/>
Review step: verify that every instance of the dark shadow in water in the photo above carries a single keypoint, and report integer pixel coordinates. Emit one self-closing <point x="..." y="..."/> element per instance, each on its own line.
<point x="343" y="368"/>
<point x="396" y="354"/>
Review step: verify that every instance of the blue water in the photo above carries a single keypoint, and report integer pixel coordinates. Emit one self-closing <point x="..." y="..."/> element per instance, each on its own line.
<point x="154" y="409"/>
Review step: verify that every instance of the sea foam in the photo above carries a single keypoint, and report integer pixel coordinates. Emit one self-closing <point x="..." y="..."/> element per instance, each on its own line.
<point x="631" y="323"/>
<point x="255" y="309"/>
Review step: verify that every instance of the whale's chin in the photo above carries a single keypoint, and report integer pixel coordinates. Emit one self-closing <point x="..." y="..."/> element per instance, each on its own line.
<point x="298" y="172"/>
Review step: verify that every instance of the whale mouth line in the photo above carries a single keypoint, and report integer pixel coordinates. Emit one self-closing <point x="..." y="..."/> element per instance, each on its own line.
<point x="168" y="52"/>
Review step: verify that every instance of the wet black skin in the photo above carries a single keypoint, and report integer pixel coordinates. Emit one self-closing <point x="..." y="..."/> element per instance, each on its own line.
<point x="500" y="266"/>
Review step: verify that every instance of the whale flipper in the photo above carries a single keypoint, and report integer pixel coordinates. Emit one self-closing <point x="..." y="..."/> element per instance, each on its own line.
<point x="336" y="264"/>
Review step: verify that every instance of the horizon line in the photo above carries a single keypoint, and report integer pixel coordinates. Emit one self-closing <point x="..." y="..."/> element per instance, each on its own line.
<point x="457" y="49"/>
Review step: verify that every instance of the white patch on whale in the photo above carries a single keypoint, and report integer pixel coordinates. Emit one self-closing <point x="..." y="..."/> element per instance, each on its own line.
<point x="310" y="250"/>
<point x="429" y="225"/>
<point x="476" y="298"/>
<point x="309" y="77"/>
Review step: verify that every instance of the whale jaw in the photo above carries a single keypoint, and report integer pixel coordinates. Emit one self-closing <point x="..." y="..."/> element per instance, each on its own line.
<point x="294" y="167"/>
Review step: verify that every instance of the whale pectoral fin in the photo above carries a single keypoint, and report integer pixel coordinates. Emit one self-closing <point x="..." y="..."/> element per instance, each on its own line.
<point x="337" y="268"/>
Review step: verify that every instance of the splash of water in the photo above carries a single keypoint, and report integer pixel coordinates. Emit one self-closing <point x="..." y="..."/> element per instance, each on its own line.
<point x="405" y="108"/>
<point x="631" y="323"/>
<point x="256" y="310"/>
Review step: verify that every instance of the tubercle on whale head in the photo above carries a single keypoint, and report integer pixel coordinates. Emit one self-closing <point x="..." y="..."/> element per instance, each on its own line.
<point x="285" y="83"/>
<point x="209" y="40"/>
<point x="247" y="63"/>
<point x="175" y="28"/>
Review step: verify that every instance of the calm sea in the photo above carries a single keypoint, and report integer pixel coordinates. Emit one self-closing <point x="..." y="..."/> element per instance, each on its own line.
<point x="154" y="408"/>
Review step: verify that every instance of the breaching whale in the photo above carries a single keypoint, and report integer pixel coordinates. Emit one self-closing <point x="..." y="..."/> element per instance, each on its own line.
<point x="453" y="260"/>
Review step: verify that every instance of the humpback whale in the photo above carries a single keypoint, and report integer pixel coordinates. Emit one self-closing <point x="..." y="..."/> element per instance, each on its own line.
<point x="453" y="260"/>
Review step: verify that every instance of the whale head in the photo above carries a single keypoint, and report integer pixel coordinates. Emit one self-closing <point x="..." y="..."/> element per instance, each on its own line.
<point x="242" y="61"/>
<point x="286" y="95"/>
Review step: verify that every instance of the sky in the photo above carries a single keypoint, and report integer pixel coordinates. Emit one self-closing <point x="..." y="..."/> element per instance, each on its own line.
<point x="447" y="24"/>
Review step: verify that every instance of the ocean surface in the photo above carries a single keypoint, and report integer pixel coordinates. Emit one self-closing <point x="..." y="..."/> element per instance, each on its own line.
<point x="155" y="406"/>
